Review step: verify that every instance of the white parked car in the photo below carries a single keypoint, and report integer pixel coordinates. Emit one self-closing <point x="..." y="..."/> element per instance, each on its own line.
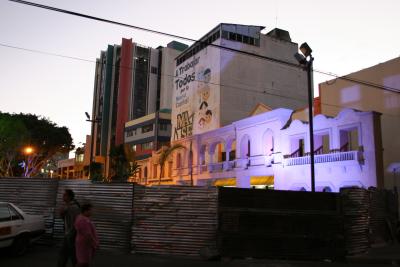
<point x="18" y="229"/>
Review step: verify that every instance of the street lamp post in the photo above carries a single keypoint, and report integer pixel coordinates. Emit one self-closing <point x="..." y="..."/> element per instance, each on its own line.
<point x="308" y="66"/>
<point x="93" y="122"/>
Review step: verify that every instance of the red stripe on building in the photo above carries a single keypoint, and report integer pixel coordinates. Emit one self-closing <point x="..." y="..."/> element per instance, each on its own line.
<point x="125" y="85"/>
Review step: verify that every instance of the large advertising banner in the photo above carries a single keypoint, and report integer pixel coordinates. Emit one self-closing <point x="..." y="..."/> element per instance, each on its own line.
<point x="196" y="95"/>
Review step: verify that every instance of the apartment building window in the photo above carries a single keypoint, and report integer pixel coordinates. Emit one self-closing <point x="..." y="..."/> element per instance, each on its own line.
<point x="237" y="37"/>
<point x="163" y="126"/>
<point x="131" y="132"/>
<point x="134" y="147"/>
<point x="154" y="70"/>
<point x="147" y="146"/>
<point x="147" y="128"/>
<point x="198" y="46"/>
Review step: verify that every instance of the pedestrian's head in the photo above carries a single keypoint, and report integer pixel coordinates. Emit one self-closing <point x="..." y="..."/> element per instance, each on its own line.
<point x="69" y="195"/>
<point x="86" y="209"/>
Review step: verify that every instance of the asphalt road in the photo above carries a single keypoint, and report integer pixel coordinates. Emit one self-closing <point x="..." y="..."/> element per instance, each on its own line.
<point x="44" y="256"/>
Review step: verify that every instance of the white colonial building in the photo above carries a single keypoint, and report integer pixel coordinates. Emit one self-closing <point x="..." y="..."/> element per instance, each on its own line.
<point x="271" y="149"/>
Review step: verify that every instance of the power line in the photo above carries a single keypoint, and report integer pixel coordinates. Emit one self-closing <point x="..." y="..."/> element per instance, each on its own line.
<point x="45" y="53"/>
<point x="266" y="90"/>
<point x="366" y="83"/>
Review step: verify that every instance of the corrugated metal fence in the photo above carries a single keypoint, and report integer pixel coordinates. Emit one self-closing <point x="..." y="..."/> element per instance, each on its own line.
<point x="355" y="203"/>
<point x="34" y="196"/>
<point x="183" y="220"/>
<point x="382" y="216"/>
<point x="370" y="218"/>
<point x="112" y="210"/>
<point x="174" y="220"/>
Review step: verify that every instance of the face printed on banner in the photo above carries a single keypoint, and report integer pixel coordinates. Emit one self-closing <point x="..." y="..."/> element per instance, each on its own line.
<point x="202" y="121"/>
<point x="208" y="116"/>
<point x="207" y="75"/>
<point x="205" y="94"/>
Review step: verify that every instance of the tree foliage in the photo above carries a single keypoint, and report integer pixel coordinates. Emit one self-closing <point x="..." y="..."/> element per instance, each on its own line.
<point x="123" y="163"/>
<point x="21" y="130"/>
<point x="12" y="135"/>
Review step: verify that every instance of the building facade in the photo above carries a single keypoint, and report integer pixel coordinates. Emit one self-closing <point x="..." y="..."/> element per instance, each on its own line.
<point x="77" y="167"/>
<point x="148" y="133"/>
<point x="221" y="77"/>
<point x="272" y="150"/>
<point x="379" y="90"/>
<point x="131" y="81"/>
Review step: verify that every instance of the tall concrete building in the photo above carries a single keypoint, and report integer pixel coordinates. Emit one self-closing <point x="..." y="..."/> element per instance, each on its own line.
<point x="215" y="86"/>
<point x="131" y="81"/>
<point x="379" y="90"/>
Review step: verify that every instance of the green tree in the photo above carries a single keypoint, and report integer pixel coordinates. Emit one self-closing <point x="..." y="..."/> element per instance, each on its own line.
<point x="13" y="134"/>
<point x="96" y="171"/>
<point x="163" y="154"/>
<point x="44" y="136"/>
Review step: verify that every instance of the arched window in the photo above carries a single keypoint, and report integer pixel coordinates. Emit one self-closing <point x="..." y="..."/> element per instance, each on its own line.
<point x="178" y="161"/>
<point x="245" y="147"/>
<point x="169" y="168"/>
<point x="190" y="159"/>
<point x="203" y="155"/>
<point x="268" y="142"/>
<point x="326" y="189"/>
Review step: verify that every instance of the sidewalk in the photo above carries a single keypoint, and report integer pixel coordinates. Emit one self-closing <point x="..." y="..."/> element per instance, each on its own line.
<point x="384" y="255"/>
<point x="47" y="257"/>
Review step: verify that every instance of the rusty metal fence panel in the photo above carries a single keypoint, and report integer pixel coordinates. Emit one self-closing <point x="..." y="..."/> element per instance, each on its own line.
<point x="174" y="220"/>
<point x="355" y="203"/>
<point x="383" y="216"/>
<point x="33" y="196"/>
<point x="112" y="210"/>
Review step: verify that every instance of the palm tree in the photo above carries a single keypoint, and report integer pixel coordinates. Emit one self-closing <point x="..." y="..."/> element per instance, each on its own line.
<point x="164" y="153"/>
<point x="123" y="162"/>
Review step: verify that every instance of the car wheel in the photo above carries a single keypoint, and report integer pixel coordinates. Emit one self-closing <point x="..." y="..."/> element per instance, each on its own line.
<point x="20" y="245"/>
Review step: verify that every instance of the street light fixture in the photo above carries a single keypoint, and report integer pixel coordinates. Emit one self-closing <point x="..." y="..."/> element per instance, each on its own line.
<point x="306" y="61"/>
<point x="28" y="150"/>
<point x="95" y="120"/>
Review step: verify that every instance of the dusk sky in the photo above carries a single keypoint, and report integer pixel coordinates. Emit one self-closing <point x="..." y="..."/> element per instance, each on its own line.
<point x="345" y="36"/>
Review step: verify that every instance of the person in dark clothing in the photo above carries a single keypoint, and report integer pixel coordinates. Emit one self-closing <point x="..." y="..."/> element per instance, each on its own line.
<point x="68" y="212"/>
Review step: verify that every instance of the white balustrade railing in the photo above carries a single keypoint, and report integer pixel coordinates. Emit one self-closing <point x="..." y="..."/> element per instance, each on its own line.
<point x="215" y="167"/>
<point x="323" y="158"/>
<point x="242" y="163"/>
<point x="230" y="165"/>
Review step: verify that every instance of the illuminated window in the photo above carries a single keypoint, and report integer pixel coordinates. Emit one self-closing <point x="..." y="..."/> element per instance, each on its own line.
<point x="147" y="146"/>
<point x="147" y="128"/>
<point x="349" y="139"/>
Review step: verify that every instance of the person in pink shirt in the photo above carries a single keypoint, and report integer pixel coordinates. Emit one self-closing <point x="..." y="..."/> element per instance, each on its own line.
<point x="86" y="241"/>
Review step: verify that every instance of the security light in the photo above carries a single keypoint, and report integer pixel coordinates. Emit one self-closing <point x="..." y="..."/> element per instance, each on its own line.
<point x="305" y="49"/>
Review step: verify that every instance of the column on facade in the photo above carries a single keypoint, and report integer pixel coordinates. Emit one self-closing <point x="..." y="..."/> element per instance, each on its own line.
<point x="242" y="180"/>
<point x="228" y="149"/>
<point x="210" y="162"/>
